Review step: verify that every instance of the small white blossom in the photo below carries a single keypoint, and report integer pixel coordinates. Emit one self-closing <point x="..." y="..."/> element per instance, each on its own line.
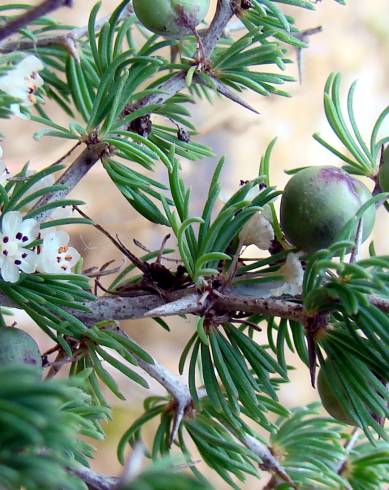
<point x="22" y="82"/>
<point x="4" y="173"/>
<point x="293" y="273"/>
<point x="258" y="231"/>
<point x="16" y="234"/>
<point x="55" y="254"/>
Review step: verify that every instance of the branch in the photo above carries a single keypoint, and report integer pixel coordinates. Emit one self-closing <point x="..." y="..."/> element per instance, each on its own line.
<point x="223" y="15"/>
<point x="32" y="14"/>
<point x="184" y="302"/>
<point x="94" y="480"/>
<point x="173" y="385"/>
<point x="68" y="40"/>
<point x="269" y="461"/>
<point x="349" y="446"/>
<point x="80" y="167"/>
<point x="181" y="395"/>
<point x="72" y="176"/>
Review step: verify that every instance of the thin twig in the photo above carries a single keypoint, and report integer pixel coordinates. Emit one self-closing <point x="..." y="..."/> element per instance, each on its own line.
<point x="32" y="14"/>
<point x="68" y="39"/>
<point x="269" y="461"/>
<point x="349" y="446"/>
<point x="173" y="385"/>
<point x="94" y="480"/>
<point x="67" y="154"/>
<point x="133" y="466"/>
<point x="71" y="177"/>
<point x="303" y="36"/>
<point x="358" y="242"/>
<point x="180" y="392"/>
<point x="222" y="17"/>
<point x="60" y="360"/>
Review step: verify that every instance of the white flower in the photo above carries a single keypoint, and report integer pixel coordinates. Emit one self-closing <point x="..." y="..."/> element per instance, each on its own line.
<point x="4" y="173"/>
<point x="258" y="231"/>
<point x="293" y="273"/>
<point x="22" y="82"/>
<point x="16" y="234"/>
<point x="55" y="255"/>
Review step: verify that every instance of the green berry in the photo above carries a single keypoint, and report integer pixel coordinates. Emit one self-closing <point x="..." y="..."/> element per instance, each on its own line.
<point x="318" y="202"/>
<point x="175" y="18"/>
<point x="17" y="348"/>
<point x="330" y="399"/>
<point x="384" y="172"/>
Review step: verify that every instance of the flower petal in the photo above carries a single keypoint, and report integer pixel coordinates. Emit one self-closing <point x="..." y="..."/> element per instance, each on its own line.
<point x="11" y="223"/>
<point x="9" y="271"/>
<point x="16" y="109"/>
<point x="75" y="257"/>
<point x="30" y="229"/>
<point x="30" y="64"/>
<point x="293" y="273"/>
<point x="257" y="231"/>
<point x="28" y="260"/>
<point x="55" y="239"/>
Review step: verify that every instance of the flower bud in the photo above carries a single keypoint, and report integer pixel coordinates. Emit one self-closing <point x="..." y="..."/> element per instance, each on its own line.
<point x="172" y="18"/>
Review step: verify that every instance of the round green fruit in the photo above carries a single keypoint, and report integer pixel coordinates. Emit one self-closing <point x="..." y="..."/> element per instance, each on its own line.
<point x="174" y="18"/>
<point x="329" y="398"/>
<point x="318" y="202"/>
<point x="384" y="172"/>
<point x="17" y="348"/>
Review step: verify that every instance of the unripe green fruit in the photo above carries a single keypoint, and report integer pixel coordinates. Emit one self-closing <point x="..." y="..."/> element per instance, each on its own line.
<point x="384" y="172"/>
<point x="17" y="347"/>
<point x="175" y="18"/>
<point x="329" y="398"/>
<point x="318" y="202"/>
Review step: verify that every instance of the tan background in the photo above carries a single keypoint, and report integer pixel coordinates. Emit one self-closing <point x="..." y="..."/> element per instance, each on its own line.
<point x="355" y="41"/>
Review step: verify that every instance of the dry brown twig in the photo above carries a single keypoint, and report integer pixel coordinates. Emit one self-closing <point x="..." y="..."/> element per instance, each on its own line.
<point x="44" y="8"/>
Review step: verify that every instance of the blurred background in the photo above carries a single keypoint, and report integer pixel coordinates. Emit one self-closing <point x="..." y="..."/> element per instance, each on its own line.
<point x="354" y="41"/>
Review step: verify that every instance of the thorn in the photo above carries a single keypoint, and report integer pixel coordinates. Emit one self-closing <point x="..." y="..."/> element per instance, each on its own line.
<point x="161" y="248"/>
<point x="224" y="90"/>
<point x="303" y="36"/>
<point x="312" y="358"/>
<point x="133" y="258"/>
<point x="178" y="417"/>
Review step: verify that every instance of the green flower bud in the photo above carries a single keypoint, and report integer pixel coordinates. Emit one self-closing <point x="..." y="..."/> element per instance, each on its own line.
<point x="318" y="202"/>
<point x="329" y="398"/>
<point x="17" y="347"/>
<point x="175" y="18"/>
